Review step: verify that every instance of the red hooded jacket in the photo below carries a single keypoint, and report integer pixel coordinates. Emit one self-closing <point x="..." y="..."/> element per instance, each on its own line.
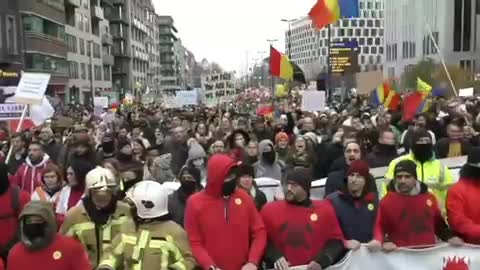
<point x="224" y="232"/>
<point x="462" y="209"/>
<point x="28" y="176"/>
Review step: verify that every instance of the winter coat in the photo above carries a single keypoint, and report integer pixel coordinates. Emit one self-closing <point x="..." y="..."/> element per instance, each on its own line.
<point x="179" y="155"/>
<point x="62" y="253"/>
<point x="462" y="207"/>
<point x="160" y="236"/>
<point x="378" y="158"/>
<point x="443" y="145"/>
<point x="302" y="233"/>
<point x="80" y="226"/>
<point x="177" y="202"/>
<point x="224" y="232"/>
<point x="356" y="217"/>
<point x="15" y="162"/>
<point x="53" y="149"/>
<point x="337" y="181"/>
<point x="29" y="176"/>
<point x="263" y="169"/>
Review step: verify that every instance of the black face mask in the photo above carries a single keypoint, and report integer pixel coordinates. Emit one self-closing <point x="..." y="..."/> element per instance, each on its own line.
<point x="124" y="157"/>
<point x="108" y="147"/>
<point x="34" y="231"/>
<point x="229" y="187"/>
<point x="269" y="157"/>
<point x="387" y="148"/>
<point x="188" y="187"/>
<point x="422" y="152"/>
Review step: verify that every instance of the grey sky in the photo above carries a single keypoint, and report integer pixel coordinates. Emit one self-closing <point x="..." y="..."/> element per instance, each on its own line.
<point x="224" y="30"/>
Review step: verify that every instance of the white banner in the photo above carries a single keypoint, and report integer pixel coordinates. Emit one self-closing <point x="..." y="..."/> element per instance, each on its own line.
<point x="10" y="111"/>
<point x="442" y="257"/>
<point x="31" y="88"/>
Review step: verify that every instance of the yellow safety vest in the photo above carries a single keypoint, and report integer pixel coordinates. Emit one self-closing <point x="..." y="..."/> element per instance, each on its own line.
<point x="432" y="173"/>
<point x="138" y="251"/>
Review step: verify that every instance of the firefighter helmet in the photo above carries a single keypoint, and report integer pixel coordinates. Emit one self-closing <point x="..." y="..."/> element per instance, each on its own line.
<point x="150" y="199"/>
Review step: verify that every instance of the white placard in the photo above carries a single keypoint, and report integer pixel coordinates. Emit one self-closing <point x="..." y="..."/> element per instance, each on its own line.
<point x="187" y="97"/>
<point x="9" y="111"/>
<point x="313" y="101"/>
<point x="31" y="88"/>
<point x="466" y="92"/>
<point x="100" y="102"/>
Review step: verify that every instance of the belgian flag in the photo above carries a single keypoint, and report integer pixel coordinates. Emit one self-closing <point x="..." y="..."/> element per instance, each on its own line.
<point x="282" y="67"/>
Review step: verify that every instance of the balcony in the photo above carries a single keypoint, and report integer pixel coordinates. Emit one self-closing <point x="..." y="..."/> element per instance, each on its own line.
<point x="97" y="13"/>
<point x="119" y="2"/>
<point x="72" y="3"/>
<point x="108" y="59"/>
<point x="116" y="17"/>
<point x="107" y="39"/>
<point x="107" y="2"/>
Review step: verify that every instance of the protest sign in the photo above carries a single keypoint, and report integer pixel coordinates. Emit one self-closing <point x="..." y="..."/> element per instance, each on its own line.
<point x="466" y="92"/>
<point x="313" y="101"/>
<point x="31" y="88"/>
<point x="10" y="111"/>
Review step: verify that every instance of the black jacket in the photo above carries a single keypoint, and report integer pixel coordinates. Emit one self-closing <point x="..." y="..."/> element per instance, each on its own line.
<point x="380" y="158"/>
<point x="53" y="150"/>
<point x="443" y="145"/>
<point x="337" y="181"/>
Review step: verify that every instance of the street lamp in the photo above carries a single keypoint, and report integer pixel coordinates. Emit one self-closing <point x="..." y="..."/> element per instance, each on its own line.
<point x="271" y="41"/>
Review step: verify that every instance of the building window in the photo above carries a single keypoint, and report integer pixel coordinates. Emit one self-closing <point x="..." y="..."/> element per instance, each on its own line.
<point x="81" y="43"/>
<point x="83" y="71"/>
<point x="89" y="47"/>
<point x="98" y="73"/>
<point x="86" y="24"/>
<point x="73" y="69"/>
<point x="79" y="21"/>
<point x="34" y="24"/>
<point x="41" y="62"/>
<point x="71" y="43"/>
<point x="96" y="50"/>
<point x="106" y="73"/>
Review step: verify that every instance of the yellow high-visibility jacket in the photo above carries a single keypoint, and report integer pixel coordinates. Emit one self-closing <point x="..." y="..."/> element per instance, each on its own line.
<point x="78" y="225"/>
<point x="155" y="246"/>
<point x="433" y="173"/>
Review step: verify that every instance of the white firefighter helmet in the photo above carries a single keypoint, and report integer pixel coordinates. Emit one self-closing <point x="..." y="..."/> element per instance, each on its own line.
<point x="150" y="199"/>
<point x="99" y="178"/>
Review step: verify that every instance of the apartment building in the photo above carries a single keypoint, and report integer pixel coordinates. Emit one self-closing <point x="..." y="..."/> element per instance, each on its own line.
<point x="11" y="45"/>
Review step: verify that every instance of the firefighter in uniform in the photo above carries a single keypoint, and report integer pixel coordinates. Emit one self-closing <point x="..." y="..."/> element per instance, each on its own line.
<point x="159" y="243"/>
<point x="99" y="217"/>
<point x="430" y="170"/>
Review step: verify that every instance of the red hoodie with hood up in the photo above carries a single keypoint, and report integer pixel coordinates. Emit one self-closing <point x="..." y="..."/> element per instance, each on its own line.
<point x="224" y="232"/>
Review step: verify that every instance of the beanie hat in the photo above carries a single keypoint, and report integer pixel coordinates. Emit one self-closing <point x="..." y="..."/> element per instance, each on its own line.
<point x="81" y="169"/>
<point x="474" y="156"/>
<point x="281" y="136"/>
<point x="245" y="169"/>
<point x="194" y="172"/>
<point x="302" y="177"/>
<point x="407" y="166"/>
<point x="196" y="151"/>
<point x="360" y="167"/>
<point x="420" y="133"/>
<point x="312" y="137"/>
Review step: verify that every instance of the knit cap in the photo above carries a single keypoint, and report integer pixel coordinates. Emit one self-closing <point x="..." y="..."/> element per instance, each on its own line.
<point x="281" y="136"/>
<point x="360" y="167"/>
<point x="301" y="176"/>
<point x="407" y="166"/>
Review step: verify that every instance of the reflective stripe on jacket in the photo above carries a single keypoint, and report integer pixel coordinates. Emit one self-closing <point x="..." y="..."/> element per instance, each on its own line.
<point x="78" y="225"/>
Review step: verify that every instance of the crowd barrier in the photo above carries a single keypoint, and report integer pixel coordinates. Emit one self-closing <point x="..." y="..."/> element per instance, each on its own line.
<point x="441" y="257"/>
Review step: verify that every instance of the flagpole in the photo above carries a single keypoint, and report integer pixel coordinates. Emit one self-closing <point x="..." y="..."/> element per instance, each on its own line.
<point x="441" y="57"/>
<point x="19" y="128"/>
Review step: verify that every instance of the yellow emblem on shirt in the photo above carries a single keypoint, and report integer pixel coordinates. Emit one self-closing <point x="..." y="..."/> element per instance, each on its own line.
<point x="238" y="201"/>
<point x="371" y="207"/>
<point x="313" y="217"/>
<point x="57" y="255"/>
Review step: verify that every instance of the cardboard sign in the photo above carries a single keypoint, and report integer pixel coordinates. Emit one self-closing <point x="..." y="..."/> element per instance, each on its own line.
<point x="313" y="101"/>
<point x="466" y="92"/>
<point x="31" y="88"/>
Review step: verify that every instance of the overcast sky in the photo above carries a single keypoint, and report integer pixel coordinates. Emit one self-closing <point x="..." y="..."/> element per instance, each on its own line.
<point x="224" y="30"/>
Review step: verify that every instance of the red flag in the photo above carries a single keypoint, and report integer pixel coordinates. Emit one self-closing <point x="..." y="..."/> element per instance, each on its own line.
<point x="324" y="12"/>
<point x="275" y="62"/>
<point x="411" y="104"/>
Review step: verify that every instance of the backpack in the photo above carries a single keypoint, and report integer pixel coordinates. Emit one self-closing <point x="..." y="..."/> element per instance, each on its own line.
<point x="15" y="205"/>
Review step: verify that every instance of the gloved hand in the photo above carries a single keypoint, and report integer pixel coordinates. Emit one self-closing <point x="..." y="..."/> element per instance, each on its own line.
<point x="281" y="264"/>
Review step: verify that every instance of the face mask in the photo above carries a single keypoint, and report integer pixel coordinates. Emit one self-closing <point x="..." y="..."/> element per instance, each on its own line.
<point x="268" y="157"/>
<point x="229" y="187"/>
<point x="108" y="147"/>
<point x="422" y="152"/>
<point x="188" y="187"/>
<point x="387" y="148"/>
<point x="35" y="230"/>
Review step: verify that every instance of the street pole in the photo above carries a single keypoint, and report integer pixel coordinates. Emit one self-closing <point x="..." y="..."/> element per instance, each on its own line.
<point x="327" y="80"/>
<point x="92" y="74"/>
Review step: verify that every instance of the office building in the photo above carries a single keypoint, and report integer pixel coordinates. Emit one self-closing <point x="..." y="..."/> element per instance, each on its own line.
<point x="308" y="47"/>
<point x="89" y="44"/>
<point x="168" y="59"/>
<point x="10" y="44"/>
<point x="45" y="50"/>
<point x="454" y="25"/>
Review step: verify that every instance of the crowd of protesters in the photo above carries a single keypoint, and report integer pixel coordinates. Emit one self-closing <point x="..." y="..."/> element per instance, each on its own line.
<point x="89" y="191"/>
